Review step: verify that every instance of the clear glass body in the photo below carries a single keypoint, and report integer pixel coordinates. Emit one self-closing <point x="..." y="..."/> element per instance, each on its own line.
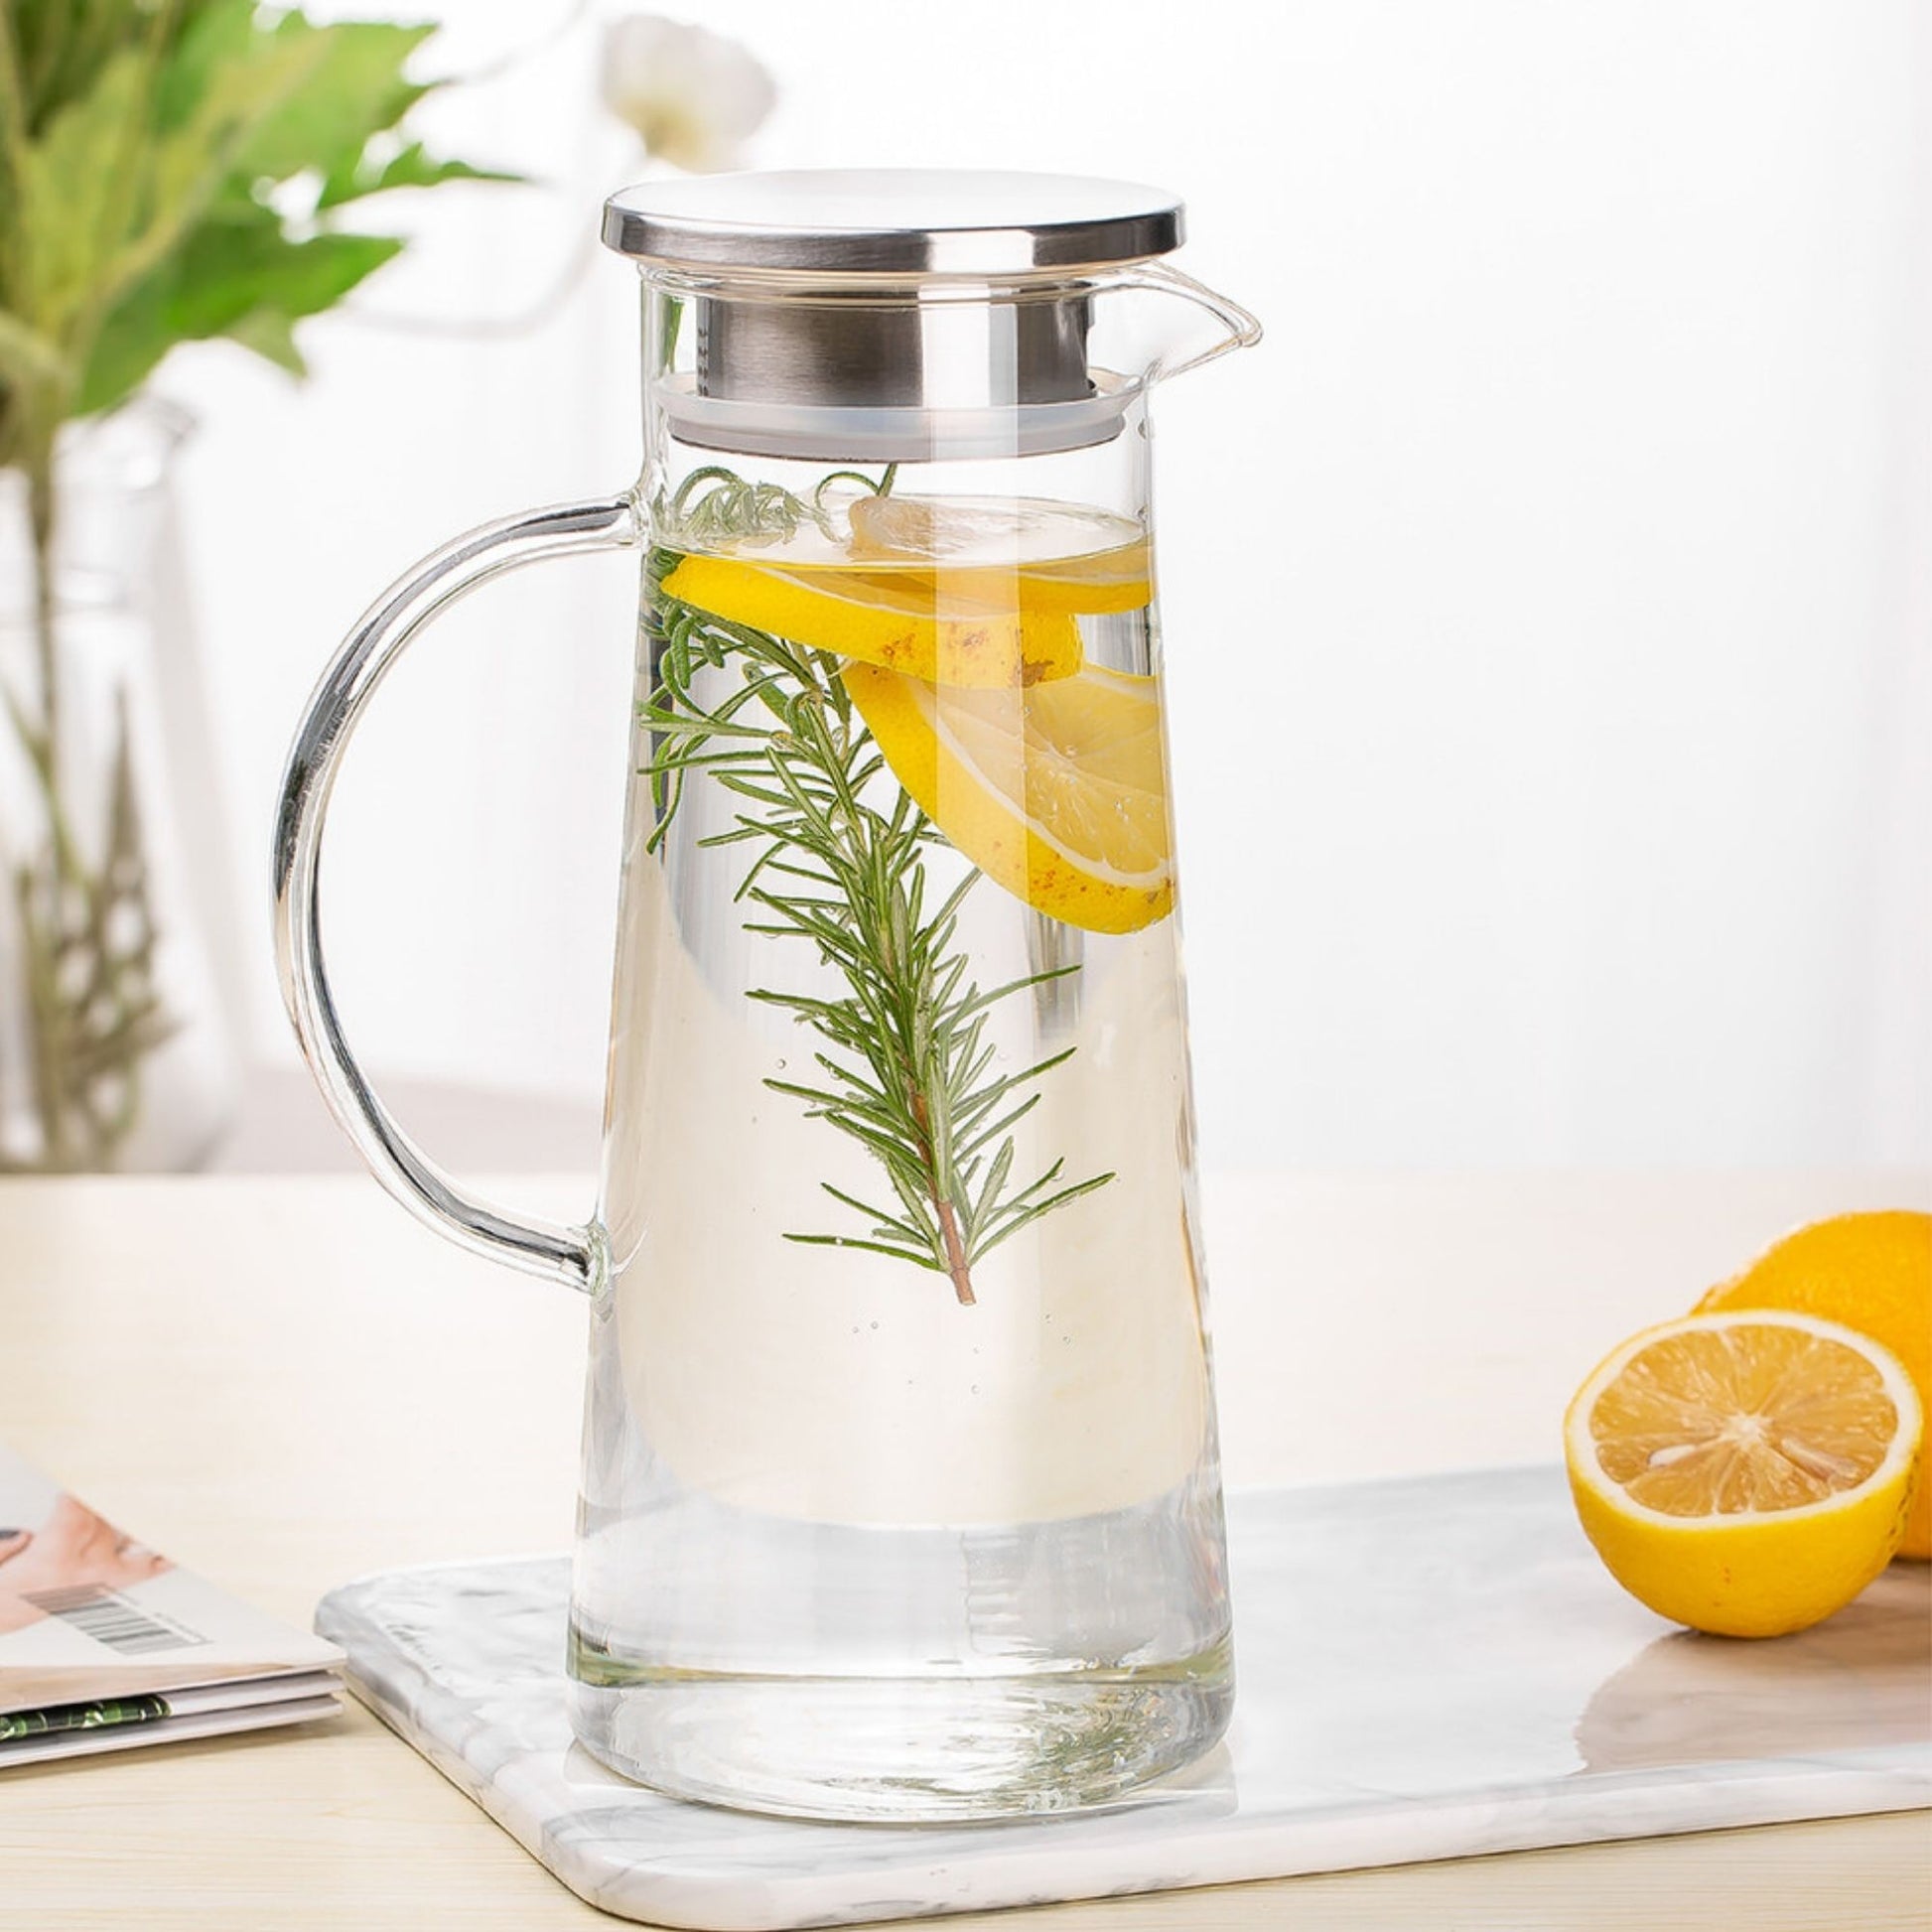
<point x="900" y="1492"/>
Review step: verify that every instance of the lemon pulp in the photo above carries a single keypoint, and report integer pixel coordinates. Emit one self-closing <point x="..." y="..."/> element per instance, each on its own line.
<point x="1717" y="1421"/>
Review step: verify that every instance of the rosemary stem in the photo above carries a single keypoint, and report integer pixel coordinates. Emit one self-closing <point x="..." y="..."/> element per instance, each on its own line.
<point x="957" y="1264"/>
<point x="962" y="1278"/>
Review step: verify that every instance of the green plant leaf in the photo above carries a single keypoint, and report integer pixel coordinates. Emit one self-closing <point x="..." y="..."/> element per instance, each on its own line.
<point x="60" y="45"/>
<point x="192" y="167"/>
<point x="217" y="36"/>
<point x="74" y="203"/>
<point x="354" y="88"/>
<point x="228" y="268"/>
<point x="410" y="166"/>
<point x="232" y="277"/>
<point x="271" y="335"/>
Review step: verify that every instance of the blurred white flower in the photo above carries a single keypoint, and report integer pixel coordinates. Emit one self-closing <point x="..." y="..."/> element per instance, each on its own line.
<point x="692" y="94"/>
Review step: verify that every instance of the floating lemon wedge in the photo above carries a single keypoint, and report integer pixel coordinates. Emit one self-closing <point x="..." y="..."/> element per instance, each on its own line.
<point x="1107" y="581"/>
<point x="923" y="623"/>
<point x="1744" y="1474"/>
<point x="1056" y="792"/>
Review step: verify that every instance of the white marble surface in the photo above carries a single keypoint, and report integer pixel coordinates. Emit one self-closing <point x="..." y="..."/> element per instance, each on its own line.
<point x="1428" y="1667"/>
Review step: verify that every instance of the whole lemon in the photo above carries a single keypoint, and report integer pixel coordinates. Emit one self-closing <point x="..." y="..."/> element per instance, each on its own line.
<point x="1872" y="1272"/>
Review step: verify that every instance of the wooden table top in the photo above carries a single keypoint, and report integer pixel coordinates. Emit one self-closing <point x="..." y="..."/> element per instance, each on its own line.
<point x="284" y="1382"/>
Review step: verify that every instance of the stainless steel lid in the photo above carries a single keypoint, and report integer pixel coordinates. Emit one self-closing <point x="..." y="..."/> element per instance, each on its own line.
<point x="887" y="221"/>
<point x="896" y="315"/>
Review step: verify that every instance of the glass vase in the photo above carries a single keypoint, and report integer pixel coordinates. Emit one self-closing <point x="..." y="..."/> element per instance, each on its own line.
<point x="116" y="1050"/>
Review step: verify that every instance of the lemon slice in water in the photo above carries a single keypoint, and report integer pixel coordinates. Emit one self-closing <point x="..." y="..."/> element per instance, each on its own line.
<point x="1057" y="791"/>
<point x="928" y="627"/>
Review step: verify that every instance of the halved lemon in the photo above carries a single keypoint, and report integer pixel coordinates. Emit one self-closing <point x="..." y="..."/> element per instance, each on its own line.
<point x="1744" y="1474"/>
<point x="923" y="625"/>
<point x="1056" y="792"/>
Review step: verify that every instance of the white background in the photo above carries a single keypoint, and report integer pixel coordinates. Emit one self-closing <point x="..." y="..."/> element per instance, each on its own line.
<point x="1548" y="601"/>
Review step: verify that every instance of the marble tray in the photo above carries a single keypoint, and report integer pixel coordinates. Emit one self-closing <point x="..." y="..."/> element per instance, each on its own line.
<point x="1427" y="1669"/>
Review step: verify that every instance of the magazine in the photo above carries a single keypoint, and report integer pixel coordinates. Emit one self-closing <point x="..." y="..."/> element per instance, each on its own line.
<point x="105" y="1643"/>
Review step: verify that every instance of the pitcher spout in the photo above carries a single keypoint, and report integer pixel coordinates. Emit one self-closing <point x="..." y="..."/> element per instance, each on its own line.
<point x="1163" y="340"/>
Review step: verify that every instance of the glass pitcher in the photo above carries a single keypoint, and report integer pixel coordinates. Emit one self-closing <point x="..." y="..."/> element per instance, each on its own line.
<point x="900" y="1492"/>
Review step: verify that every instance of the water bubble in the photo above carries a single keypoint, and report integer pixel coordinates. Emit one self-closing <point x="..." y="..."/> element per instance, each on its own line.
<point x="874" y="1324"/>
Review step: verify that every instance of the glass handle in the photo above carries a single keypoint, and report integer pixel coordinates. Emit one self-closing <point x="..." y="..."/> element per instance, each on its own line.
<point x="568" y="1254"/>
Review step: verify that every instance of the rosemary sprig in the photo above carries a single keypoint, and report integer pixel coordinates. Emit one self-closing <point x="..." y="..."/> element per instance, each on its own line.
<point x="717" y="505"/>
<point x="840" y="863"/>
